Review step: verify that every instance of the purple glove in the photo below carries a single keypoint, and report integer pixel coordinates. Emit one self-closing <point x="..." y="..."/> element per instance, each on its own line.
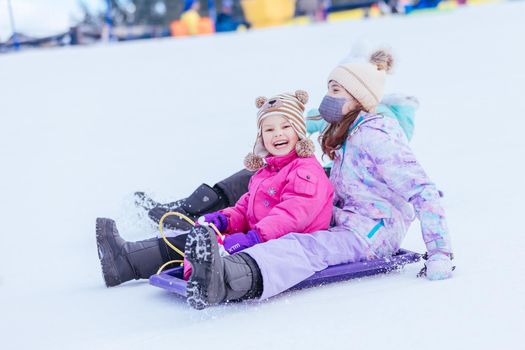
<point x="239" y="241"/>
<point x="218" y="219"/>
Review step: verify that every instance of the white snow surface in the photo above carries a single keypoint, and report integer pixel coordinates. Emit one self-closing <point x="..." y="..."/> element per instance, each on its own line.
<point x="83" y="128"/>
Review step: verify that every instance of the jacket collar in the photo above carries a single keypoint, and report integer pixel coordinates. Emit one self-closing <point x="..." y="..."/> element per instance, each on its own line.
<point x="362" y="118"/>
<point x="276" y="163"/>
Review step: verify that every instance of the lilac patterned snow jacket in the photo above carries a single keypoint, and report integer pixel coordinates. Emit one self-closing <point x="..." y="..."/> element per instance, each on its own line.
<point x="380" y="188"/>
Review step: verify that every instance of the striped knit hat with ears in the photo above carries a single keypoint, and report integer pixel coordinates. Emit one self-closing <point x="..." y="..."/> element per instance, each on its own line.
<point x="289" y="106"/>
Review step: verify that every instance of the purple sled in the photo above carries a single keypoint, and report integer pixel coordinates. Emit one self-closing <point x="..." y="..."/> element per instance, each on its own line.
<point x="172" y="281"/>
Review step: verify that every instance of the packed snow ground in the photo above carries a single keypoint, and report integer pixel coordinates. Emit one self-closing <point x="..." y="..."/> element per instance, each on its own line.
<point x="83" y="128"/>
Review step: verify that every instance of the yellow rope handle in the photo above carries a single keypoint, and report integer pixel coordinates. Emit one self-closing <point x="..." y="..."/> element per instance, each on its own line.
<point x="161" y="228"/>
<point x="168" y="243"/>
<point x="217" y="231"/>
<point x="181" y="253"/>
<point x="168" y="263"/>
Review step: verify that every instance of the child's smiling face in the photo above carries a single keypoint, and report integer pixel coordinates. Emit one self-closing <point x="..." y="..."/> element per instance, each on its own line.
<point x="279" y="137"/>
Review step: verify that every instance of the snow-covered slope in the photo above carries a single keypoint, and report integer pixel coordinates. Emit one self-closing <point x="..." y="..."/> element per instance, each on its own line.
<point x="82" y="128"/>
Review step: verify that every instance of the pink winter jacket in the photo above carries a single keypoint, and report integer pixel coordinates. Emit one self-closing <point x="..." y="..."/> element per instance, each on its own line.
<point x="290" y="194"/>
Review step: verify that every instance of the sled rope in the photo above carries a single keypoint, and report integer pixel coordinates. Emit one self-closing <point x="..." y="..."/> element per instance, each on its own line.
<point x="169" y="263"/>
<point x="168" y="243"/>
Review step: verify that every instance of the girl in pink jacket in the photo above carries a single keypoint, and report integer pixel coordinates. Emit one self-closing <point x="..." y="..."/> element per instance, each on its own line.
<point x="290" y="191"/>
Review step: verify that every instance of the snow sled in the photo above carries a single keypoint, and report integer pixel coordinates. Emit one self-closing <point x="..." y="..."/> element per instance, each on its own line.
<point x="172" y="281"/>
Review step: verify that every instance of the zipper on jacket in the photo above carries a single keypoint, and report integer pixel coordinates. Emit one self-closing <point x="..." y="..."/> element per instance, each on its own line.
<point x="376" y="228"/>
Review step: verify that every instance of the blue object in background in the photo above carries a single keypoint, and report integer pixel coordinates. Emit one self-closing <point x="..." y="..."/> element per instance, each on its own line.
<point x="421" y="5"/>
<point x="16" y="44"/>
<point x="187" y="5"/>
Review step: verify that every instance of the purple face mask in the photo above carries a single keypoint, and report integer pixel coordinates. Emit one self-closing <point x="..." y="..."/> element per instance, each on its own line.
<point x="331" y="109"/>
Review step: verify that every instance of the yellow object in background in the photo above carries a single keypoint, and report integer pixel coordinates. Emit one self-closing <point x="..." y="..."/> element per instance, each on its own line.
<point x="346" y="15"/>
<point x="203" y="26"/>
<point x="191" y="20"/>
<point x="267" y="13"/>
<point x="447" y="5"/>
<point x="482" y="2"/>
<point x="299" y="20"/>
<point x="374" y="11"/>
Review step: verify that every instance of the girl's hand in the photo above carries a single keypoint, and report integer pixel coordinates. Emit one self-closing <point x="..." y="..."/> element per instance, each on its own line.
<point x="236" y="242"/>
<point x="218" y="219"/>
<point x="438" y="267"/>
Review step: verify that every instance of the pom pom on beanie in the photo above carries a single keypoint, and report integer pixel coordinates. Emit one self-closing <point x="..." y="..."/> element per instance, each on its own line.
<point x="305" y="148"/>
<point x="260" y="101"/>
<point x="253" y="162"/>
<point x="383" y="59"/>
<point x="302" y="96"/>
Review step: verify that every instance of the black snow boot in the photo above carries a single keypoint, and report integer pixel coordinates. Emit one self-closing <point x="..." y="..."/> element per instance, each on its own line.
<point x="123" y="261"/>
<point x="203" y="200"/>
<point x="215" y="279"/>
<point x="142" y="200"/>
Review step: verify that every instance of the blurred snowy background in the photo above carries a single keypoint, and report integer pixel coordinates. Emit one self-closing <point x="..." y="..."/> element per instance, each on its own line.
<point x="82" y="128"/>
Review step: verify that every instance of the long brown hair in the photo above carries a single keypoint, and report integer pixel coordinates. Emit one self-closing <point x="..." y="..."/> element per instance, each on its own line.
<point x="336" y="134"/>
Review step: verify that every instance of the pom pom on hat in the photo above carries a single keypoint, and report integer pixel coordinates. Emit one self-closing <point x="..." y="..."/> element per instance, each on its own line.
<point x="260" y="101"/>
<point x="305" y="148"/>
<point x="383" y="60"/>
<point x="253" y="162"/>
<point x="302" y="96"/>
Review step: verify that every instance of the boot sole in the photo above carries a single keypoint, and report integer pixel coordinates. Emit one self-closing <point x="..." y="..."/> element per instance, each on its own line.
<point x="105" y="253"/>
<point x="199" y="252"/>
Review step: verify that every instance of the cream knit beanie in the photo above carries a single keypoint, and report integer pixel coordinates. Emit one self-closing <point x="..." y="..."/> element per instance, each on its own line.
<point x="365" y="80"/>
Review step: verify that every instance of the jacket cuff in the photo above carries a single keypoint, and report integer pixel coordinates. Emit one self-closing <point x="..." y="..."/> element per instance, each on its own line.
<point x="254" y="236"/>
<point x="438" y="246"/>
